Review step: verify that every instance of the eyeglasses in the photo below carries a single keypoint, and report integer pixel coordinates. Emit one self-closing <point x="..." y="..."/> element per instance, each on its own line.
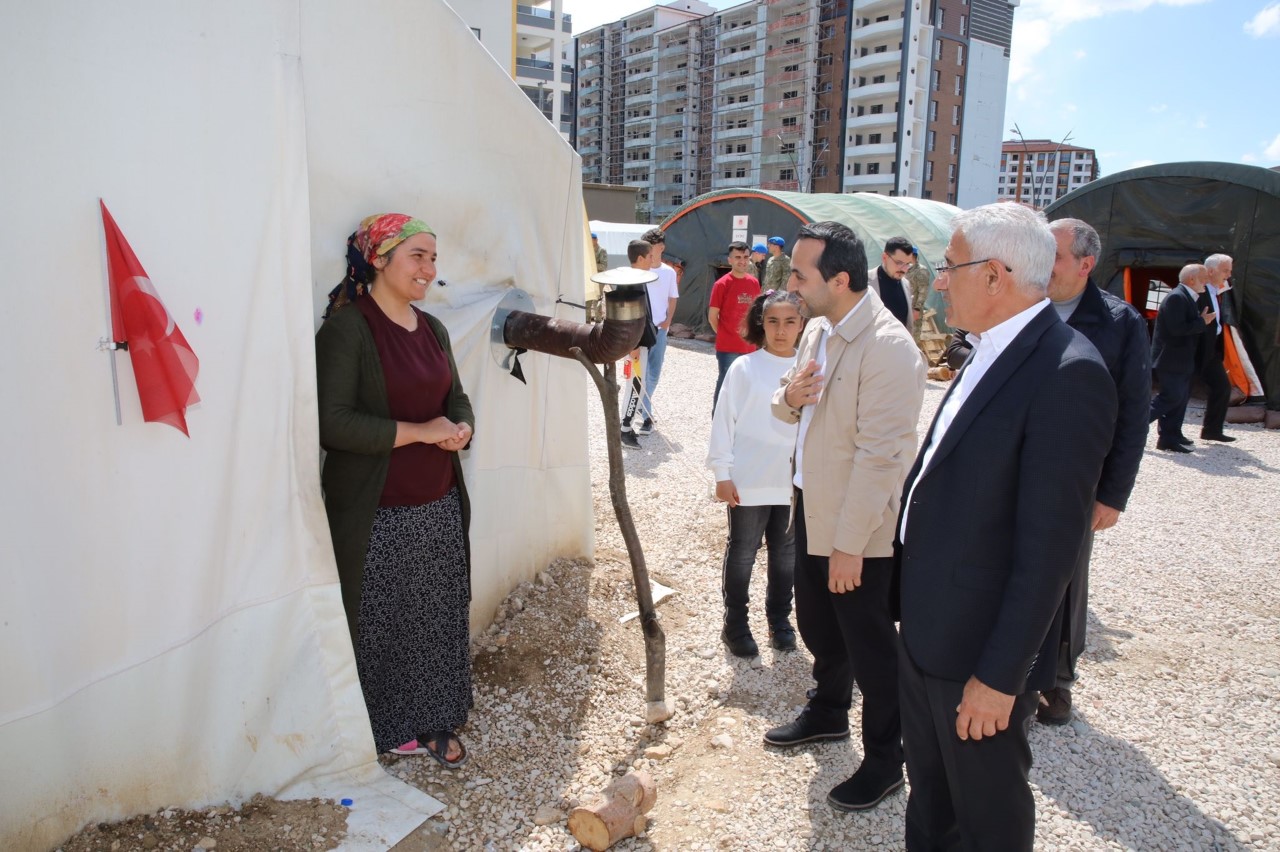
<point x="946" y="269"/>
<point x="903" y="264"/>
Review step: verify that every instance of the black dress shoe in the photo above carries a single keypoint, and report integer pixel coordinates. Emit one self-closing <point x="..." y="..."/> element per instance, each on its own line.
<point x="740" y="644"/>
<point x="1226" y="439"/>
<point x="783" y="638"/>
<point x="1183" y="440"/>
<point x="864" y="790"/>
<point x="1054" y="707"/>
<point x="806" y="729"/>
<point x="1172" y="447"/>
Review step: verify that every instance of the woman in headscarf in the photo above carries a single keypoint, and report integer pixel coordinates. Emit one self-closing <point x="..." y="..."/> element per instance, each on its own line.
<point x="393" y="417"/>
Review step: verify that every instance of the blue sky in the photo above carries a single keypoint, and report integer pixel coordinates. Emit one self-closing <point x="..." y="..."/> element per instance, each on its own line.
<point x="1139" y="81"/>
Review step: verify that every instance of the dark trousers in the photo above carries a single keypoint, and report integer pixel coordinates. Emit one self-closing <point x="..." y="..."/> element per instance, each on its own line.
<point x="723" y="360"/>
<point x="853" y="639"/>
<point x="1170" y="405"/>
<point x="747" y="526"/>
<point x="1073" y="631"/>
<point x="1218" y="388"/>
<point x="965" y="794"/>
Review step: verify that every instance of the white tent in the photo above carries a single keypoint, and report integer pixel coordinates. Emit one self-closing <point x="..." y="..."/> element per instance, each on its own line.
<point x="171" y="629"/>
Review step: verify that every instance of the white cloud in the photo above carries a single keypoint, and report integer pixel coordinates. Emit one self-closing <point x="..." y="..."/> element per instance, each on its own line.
<point x="1201" y="123"/>
<point x="1272" y="151"/>
<point x="1248" y="158"/>
<point x="1137" y="164"/>
<point x="1080" y="54"/>
<point x="1158" y="108"/>
<point x="1265" y="23"/>
<point x="1036" y="23"/>
<point x="1070" y="107"/>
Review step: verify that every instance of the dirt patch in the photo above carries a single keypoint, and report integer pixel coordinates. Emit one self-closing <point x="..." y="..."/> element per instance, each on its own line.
<point x="261" y="824"/>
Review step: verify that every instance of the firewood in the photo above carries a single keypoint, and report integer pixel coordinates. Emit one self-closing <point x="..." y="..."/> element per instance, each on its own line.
<point x="619" y="812"/>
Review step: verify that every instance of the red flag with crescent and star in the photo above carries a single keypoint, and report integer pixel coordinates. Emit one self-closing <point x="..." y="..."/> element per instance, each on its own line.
<point x="164" y="366"/>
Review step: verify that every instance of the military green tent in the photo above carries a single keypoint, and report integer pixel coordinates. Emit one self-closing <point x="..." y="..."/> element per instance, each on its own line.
<point x="1155" y="219"/>
<point x="699" y="233"/>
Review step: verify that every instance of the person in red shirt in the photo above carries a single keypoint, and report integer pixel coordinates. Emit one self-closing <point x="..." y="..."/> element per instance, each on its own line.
<point x="731" y="298"/>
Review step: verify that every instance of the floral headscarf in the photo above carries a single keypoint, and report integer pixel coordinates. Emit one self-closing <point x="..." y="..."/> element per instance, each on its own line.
<point x="376" y="236"/>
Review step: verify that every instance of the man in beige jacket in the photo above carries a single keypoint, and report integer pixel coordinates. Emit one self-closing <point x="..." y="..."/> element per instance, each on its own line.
<point x="856" y="391"/>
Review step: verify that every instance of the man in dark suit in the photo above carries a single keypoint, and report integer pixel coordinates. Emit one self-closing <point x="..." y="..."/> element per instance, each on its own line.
<point x="1212" y="373"/>
<point x="1022" y="433"/>
<point x="1180" y="326"/>
<point x="1119" y="333"/>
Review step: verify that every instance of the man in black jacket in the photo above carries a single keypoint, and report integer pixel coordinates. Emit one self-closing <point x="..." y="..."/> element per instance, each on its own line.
<point x="1180" y="326"/>
<point x="1119" y="334"/>
<point x="1212" y="372"/>
<point x="1022" y="434"/>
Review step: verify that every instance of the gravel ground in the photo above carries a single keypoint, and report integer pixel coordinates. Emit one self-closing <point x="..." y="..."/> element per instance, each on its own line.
<point x="1176" y="743"/>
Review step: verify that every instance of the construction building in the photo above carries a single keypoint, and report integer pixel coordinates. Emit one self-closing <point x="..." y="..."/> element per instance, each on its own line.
<point x="534" y="43"/>
<point x="897" y="97"/>
<point x="1040" y="171"/>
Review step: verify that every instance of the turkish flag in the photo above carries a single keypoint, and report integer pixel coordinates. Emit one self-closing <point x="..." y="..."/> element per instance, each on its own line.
<point x="164" y="366"/>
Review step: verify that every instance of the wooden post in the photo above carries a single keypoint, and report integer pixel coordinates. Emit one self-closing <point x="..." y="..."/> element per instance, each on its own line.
<point x="655" y="642"/>
<point x="619" y="812"/>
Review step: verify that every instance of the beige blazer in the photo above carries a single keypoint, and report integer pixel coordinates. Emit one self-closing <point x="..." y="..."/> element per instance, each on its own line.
<point x="862" y="439"/>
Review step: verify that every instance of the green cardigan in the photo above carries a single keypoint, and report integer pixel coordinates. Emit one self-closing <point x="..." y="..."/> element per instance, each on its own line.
<point x="357" y="431"/>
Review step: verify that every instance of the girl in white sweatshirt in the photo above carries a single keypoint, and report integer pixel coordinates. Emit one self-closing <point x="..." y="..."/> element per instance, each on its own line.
<point x="750" y="455"/>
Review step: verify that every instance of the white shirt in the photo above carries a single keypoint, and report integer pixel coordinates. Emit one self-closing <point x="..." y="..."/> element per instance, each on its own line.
<point x="987" y="347"/>
<point x="806" y="413"/>
<point x="1217" y="311"/>
<point x="660" y="291"/>
<point x="749" y="445"/>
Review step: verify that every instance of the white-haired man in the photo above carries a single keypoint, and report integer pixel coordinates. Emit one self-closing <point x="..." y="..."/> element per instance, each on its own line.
<point x="1119" y="334"/>
<point x="1212" y="373"/>
<point x="1022" y="434"/>
<point x="1180" y="326"/>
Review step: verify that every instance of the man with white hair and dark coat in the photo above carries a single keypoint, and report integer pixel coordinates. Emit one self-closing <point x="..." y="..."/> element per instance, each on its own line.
<point x="1022" y="434"/>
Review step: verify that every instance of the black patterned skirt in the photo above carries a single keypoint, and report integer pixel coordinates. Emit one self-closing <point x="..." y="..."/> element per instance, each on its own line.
<point x="413" y="654"/>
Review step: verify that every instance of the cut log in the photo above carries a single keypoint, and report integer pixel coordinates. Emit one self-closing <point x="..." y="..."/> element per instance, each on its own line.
<point x="618" y="813"/>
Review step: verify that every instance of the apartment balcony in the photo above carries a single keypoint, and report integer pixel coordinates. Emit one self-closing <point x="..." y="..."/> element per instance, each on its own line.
<point x="535" y="69"/>
<point x="876" y="8"/>
<point x="533" y="17"/>
<point x="869" y="183"/>
<point x="735" y="133"/>
<point x="670" y="165"/>
<point x="588" y="150"/>
<point x="675" y="119"/>
<point x="639" y="142"/>
<point x="878" y="30"/>
<point x="877" y="152"/>
<point x="588" y="112"/>
<point x="646" y="53"/>
<point x="786" y="51"/>
<point x="874" y="90"/>
<point x="668" y="97"/>
<point x="785" y="77"/>
<point x="790" y="22"/>
<point x="589" y="47"/>
<point x="887" y="59"/>
<point x="778" y="160"/>
<point x="784" y="105"/>
<point x="747" y="80"/>
<point x="884" y="119"/>
<point x="640" y="99"/>
<point x="644" y="31"/>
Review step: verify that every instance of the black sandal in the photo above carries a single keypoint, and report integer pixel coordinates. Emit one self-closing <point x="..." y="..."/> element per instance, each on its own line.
<point x="437" y="746"/>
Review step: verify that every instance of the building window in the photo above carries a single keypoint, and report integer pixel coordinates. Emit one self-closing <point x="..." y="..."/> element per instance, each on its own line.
<point x="955" y="115"/>
<point x="786" y="174"/>
<point x="741" y="172"/>
<point x="791" y="68"/>
<point x="789" y="95"/>
<point x="877" y="109"/>
<point x="959" y="84"/>
<point x="955" y="143"/>
<point x="790" y="121"/>
<point x="878" y="79"/>
<point x="787" y="148"/>
<point x="937" y="80"/>
<point x="959" y="54"/>
<point x="884" y="48"/>
<point x="928" y="169"/>
<point x="824" y="115"/>
<point x="873" y="139"/>
<point x="873" y="168"/>
<point x="677" y="200"/>
<point x="933" y="110"/>
<point x="933" y="139"/>
<point x="951" y="173"/>
<point x="964" y="24"/>
<point x="937" y="49"/>
<point x="857" y="168"/>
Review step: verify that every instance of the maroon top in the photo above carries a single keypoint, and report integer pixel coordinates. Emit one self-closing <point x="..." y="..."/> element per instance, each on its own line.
<point x="416" y="371"/>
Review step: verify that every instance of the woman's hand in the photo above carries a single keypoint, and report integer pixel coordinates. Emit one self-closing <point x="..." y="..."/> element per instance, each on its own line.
<point x="456" y="443"/>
